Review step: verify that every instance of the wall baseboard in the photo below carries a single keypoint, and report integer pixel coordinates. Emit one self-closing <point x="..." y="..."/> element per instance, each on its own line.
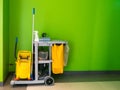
<point x="86" y="73"/>
<point x="87" y="76"/>
<point x="91" y="72"/>
<point x="1" y="83"/>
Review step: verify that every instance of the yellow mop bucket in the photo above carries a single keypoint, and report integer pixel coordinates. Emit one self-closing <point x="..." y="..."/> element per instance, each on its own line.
<point x="57" y="59"/>
<point x="23" y="65"/>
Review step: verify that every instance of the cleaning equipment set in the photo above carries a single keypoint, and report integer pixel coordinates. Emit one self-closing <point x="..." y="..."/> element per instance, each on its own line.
<point x="47" y="57"/>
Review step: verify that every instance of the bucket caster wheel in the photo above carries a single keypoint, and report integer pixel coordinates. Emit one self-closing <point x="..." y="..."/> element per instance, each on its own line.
<point x="49" y="81"/>
<point x="12" y="83"/>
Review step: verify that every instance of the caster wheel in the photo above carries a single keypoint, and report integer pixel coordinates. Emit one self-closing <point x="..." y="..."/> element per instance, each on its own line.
<point x="49" y="81"/>
<point x="12" y="83"/>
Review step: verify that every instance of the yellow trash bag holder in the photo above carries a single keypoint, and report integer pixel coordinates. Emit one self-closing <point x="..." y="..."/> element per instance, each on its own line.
<point x="57" y="58"/>
<point x="23" y="65"/>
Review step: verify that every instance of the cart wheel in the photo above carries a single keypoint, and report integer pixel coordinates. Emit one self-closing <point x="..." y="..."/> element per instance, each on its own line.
<point x="12" y="83"/>
<point x="49" y="80"/>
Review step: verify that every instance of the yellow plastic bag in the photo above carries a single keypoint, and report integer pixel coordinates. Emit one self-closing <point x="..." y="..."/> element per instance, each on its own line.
<point x="57" y="59"/>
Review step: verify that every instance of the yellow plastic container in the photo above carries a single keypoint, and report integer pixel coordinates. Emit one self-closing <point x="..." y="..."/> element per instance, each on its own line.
<point x="23" y="65"/>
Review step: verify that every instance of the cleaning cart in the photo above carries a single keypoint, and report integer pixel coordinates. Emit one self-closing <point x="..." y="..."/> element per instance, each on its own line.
<point x="41" y="62"/>
<point x="43" y="79"/>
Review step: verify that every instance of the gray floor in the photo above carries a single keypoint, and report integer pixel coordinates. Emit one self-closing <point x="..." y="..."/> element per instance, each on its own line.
<point x="85" y="82"/>
<point x="8" y="87"/>
<point x="104" y="85"/>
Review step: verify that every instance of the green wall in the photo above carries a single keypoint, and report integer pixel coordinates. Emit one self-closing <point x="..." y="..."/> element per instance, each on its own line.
<point x="1" y="40"/>
<point x="5" y="38"/>
<point x="90" y="26"/>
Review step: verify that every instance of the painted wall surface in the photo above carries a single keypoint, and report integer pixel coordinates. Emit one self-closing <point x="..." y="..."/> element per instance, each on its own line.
<point x="91" y="27"/>
<point x="5" y="38"/>
<point x="1" y="40"/>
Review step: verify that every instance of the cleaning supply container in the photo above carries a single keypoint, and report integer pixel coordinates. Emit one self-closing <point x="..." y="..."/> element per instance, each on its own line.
<point x="23" y="65"/>
<point x="36" y="37"/>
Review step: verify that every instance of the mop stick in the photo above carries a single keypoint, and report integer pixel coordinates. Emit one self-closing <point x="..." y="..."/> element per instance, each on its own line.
<point x="33" y="12"/>
<point x="33" y="15"/>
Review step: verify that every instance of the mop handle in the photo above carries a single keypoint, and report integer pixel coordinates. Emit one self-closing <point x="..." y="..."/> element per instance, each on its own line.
<point x="16" y="48"/>
<point x="33" y="13"/>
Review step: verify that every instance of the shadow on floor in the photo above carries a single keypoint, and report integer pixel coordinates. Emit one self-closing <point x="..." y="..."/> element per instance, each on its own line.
<point x="7" y="85"/>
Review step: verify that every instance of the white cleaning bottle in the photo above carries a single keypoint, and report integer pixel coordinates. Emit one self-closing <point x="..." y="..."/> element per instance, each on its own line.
<point x="36" y="37"/>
